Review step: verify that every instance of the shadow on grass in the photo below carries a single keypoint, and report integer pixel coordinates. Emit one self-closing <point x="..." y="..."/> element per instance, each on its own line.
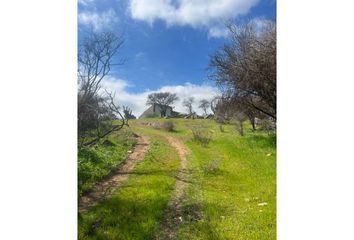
<point x="135" y="211"/>
<point x="135" y="217"/>
<point x="262" y="141"/>
<point x="168" y="173"/>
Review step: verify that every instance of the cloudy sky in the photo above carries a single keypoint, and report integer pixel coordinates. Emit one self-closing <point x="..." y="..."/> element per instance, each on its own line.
<point x="167" y="43"/>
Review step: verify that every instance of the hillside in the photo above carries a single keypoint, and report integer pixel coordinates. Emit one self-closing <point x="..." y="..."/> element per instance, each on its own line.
<point x="222" y="186"/>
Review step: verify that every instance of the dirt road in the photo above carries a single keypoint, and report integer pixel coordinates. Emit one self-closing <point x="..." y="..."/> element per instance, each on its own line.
<point x="103" y="189"/>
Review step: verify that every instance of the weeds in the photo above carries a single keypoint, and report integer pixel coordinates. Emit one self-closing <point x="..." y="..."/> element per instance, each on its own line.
<point x="201" y="135"/>
<point x="212" y="166"/>
<point x="168" y="126"/>
<point x="96" y="162"/>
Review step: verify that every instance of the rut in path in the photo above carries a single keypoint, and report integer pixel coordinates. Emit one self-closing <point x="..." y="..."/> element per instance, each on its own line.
<point x="173" y="216"/>
<point x="103" y="189"/>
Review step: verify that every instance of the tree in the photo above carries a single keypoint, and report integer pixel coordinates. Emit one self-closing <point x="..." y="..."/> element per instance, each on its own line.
<point x="98" y="114"/>
<point x="188" y="103"/>
<point x="164" y="99"/>
<point x="204" y="105"/>
<point x="245" y="69"/>
<point x="214" y="103"/>
<point x="229" y="111"/>
<point x="128" y="113"/>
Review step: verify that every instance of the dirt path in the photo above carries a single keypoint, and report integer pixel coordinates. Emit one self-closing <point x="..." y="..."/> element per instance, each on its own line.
<point x="103" y="189"/>
<point x="173" y="217"/>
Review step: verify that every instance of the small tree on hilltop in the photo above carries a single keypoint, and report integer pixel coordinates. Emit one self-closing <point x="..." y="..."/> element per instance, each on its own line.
<point x="188" y="103"/>
<point x="204" y="105"/>
<point x="164" y="99"/>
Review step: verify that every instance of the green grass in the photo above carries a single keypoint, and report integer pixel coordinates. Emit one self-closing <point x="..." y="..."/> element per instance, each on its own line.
<point x="245" y="177"/>
<point x="229" y="178"/>
<point x="94" y="163"/>
<point x="136" y="209"/>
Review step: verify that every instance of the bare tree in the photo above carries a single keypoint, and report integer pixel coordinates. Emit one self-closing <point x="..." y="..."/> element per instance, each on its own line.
<point x="98" y="115"/>
<point x="246" y="67"/>
<point x="214" y="103"/>
<point x="164" y="99"/>
<point x="204" y="105"/>
<point x="229" y="111"/>
<point x="188" y="103"/>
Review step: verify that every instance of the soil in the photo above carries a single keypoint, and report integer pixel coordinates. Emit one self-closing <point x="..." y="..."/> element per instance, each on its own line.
<point x="103" y="189"/>
<point x="174" y="213"/>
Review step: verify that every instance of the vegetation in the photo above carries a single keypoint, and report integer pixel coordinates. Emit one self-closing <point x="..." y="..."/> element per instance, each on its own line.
<point x="136" y="209"/>
<point x="230" y="195"/>
<point x="188" y="104"/>
<point x="204" y="105"/>
<point x="235" y="183"/>
<point x="168" y="126"/>
<point x="245" y="68"/>
<point x="164" y="99"/>
<point x="229" y="183"/>
<point x="201" y="135"/>
<point x="97" y="112"/>
<point x="94" y="163"/>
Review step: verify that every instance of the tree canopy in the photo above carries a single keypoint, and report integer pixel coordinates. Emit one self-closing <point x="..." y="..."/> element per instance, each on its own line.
<point x="164" y="99"/>
<point x="245" y="68"/>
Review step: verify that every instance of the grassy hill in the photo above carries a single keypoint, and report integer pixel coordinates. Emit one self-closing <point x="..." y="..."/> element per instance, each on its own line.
<point x="231" y="190"/>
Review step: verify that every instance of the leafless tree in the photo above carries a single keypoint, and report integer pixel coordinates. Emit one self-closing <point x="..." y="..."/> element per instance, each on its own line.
<point x="98" y="114"/>
<point x="246" y="67"/>
<point x="188" y="104"/>
<point x="214" y="103"/>
<point x="231" y="112"/>
<point x="164" y="99"/>
<point x="204" y="105"/>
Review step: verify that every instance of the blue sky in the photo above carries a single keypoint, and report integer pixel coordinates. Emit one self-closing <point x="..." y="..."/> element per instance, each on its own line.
<point x="167" y="42"/>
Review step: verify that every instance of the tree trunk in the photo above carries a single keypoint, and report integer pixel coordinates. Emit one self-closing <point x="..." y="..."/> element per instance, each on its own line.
<point x="253" y="122"/>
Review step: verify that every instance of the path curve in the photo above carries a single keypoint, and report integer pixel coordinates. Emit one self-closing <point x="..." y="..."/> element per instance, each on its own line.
<point x="174" y="213"/>
<point x="103" y="189"/>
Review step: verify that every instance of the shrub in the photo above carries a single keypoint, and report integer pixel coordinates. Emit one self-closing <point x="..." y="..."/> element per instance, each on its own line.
<point x="168" y="126"/>
<point x="201" y="135"/>
<point x="268" y="125"/>
<point x="212" y="166"/>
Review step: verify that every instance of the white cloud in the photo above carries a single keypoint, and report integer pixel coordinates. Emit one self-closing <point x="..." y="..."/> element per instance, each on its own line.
<point x="98" y="21"/>
<point x="218" y="32"/>
<point x="137" y="101"/>
<point x="85" y="2"/>
<point x="195" y="13"/>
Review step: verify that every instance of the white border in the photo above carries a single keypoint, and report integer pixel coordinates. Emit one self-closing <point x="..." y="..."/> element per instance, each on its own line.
<point x="38" y="120"/>
<point x="315" y="134"/>
<point x="38" y="175"/>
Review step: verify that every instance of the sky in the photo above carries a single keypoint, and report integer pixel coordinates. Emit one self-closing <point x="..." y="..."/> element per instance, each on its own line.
<point x="167" y="43"/>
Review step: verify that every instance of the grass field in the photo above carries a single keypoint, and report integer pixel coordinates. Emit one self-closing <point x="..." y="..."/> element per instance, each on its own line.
<point x="231" y="191"/>
<point x="135" y="210"/>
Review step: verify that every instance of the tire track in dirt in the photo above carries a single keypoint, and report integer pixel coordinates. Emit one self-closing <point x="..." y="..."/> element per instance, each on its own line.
<point x="174" y="212"/>
<point x="103" y="189"/>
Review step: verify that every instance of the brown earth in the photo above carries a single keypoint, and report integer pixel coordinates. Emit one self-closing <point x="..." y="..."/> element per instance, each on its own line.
<point x="103" y="189"/>
<point x="174" y="213"/>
